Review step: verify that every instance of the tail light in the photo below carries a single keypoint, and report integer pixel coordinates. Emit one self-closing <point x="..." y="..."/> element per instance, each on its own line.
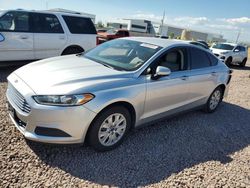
<point x="97" y="40"/>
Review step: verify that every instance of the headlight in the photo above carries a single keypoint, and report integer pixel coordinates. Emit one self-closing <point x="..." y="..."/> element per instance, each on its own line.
<point x="63" y="100"/>
<point x="224" y="53"/>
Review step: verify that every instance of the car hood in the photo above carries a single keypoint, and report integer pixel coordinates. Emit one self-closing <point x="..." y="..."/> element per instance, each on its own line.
<point x="105" y="35"/>
<point x="219" y="51"/>
<point x="68" y="75"/>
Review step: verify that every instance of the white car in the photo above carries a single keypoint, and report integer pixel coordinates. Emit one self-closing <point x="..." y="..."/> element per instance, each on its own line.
<point x="230" y="53"/>
<point x="29" y="35"/>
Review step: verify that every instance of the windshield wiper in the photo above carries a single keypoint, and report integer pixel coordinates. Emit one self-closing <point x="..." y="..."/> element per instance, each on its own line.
<point x="106" y="65"/>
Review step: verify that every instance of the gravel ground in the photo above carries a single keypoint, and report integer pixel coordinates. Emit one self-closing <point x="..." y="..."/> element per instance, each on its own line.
<point x="191" y="150"/>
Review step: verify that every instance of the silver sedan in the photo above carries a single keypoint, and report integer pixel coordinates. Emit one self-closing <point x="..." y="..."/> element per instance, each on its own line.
<point x="101" y="95"/>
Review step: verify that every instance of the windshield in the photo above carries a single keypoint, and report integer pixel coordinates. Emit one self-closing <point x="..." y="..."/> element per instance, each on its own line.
<point x="122" y="54"/>
<point x="223" y="46"/>
<point x="1" y="12"/>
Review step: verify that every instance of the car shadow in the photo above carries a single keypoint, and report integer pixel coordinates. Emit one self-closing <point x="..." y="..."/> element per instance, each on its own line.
<point x="6" y="71"/>
<point x="236" y="67"/>
<point x="153" y="153"/>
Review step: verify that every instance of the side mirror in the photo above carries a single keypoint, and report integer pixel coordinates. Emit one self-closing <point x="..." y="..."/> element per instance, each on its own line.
<point x="1" y="37"/>
<point x="161" y="71"/>
<point x="236" y="50"/>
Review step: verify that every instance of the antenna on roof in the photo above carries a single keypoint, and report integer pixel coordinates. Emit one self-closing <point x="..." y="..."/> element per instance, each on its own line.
<point x="47" y="5"/>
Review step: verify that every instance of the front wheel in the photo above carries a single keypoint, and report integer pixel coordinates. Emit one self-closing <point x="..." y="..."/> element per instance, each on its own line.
<point x="229" y="61"/>
<point x="214" y="100"/>
<point x="243" y="63"/>
<point x="109" y="128"/>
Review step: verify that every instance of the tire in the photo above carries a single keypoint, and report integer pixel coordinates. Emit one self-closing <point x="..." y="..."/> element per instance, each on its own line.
<point x="72" y="50"/>
<point x="102" y="135"/>
<point x="243" y="63"/>
<point x="214" y="100"/>
<point x="229" y="61"/>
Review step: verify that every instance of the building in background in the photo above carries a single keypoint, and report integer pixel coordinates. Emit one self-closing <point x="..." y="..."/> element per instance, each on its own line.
<point x="155" y="28"/>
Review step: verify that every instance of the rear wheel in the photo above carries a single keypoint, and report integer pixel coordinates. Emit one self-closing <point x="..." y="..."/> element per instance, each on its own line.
<point x="72" y="50"/>
<point x="214" y="100"/>
<point x="109" y="128"/>
<point x="243" y="63"/>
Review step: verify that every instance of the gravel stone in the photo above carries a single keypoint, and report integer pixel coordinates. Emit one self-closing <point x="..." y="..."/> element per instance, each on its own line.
<point x="191" y="150"/>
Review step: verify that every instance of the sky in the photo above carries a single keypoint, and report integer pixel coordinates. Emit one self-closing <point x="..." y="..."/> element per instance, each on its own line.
<point x="226" y="17"/>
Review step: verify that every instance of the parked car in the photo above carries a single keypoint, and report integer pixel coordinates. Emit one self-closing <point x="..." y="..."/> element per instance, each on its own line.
<point x="112" y="34"/>
<point x="199" y="44"/>
<point x="28" y="35"/>
<point x="101" y="30"/>
<point x="121" y="84"/>
<point x="203" y="42"/>
<point x="231" y="53"/>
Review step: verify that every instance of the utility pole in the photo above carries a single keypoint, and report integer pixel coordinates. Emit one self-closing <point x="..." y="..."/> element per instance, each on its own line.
<point x="238" y="36"/>
<point x="47" y="5"/>
<point x="162" y="22"/>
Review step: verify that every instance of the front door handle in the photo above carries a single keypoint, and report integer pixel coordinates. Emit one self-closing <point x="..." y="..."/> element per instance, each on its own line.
<point x="213" y="73"/>
<point x="184" y="77"/>
<point x="62" y="37"/>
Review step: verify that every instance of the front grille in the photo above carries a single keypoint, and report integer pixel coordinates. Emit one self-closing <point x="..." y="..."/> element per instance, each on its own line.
<point x="18" y="99"/>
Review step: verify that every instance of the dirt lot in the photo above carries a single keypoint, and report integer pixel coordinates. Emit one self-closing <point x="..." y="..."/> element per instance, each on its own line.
<point x="191" y="150"/>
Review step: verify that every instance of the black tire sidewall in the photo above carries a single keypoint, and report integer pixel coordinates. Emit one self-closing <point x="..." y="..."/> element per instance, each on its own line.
<point x="72" y="50"/>
<point x="92" y="136"/>
<point x="207" y="107"/>
<point x="229" y="61"/>
<point x="243" y="63"/>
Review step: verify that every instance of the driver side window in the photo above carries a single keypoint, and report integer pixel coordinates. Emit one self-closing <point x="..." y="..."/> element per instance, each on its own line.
<point x="237" y="49"/>
<point x="174" y="59"/>
<point x="15" y="22"/>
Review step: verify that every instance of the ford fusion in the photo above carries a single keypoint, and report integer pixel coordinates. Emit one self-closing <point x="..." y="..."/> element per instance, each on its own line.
<point x="101" y="95"/>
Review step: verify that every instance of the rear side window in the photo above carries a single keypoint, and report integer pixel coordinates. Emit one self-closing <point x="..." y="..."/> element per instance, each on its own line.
<point x="126" y="33"/>
<point x="15" y="21"/>
<point x="242" y="49"/>
<point x="214" y="60"/>
<point x="79" y="25"/>
<point x="199" y="59"/>
<point x="46" y="23"/>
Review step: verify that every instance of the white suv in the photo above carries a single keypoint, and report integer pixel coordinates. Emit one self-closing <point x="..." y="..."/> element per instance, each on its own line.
<point x="230" y="53"/>
<point x="29" y="35"/>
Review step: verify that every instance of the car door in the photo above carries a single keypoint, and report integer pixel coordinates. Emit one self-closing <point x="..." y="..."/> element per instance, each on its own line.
<point x="236" y="54"/>
<point x="49" y="36"/>
<point x="17" y="43"/>
<point x="202" y="76"/>
<point x="167" y="94"/>
<point x="242" y="53"/>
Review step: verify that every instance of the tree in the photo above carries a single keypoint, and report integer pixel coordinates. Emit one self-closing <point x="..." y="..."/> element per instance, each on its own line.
<point x="171" y="35"/>
<point x="100" y="24"/>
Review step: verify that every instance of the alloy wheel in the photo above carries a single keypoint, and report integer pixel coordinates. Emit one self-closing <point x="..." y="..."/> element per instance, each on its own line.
<point x="215" y="99"/>
<point x="112" y="129"/>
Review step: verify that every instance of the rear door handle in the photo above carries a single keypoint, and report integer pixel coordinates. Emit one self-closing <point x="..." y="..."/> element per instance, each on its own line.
<point x="184" y="77"/>
<point x="24" y="37"/>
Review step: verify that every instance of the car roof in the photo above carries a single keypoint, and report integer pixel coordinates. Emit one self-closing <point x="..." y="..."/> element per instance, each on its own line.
<point x="156" y="41"/>
<point x="232" y="44"/>
<point x="47" y="12"/>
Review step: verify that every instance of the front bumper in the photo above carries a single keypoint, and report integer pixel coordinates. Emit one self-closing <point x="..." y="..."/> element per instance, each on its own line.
<point x="222" y="57"/>
<point x="49" y="124"/>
